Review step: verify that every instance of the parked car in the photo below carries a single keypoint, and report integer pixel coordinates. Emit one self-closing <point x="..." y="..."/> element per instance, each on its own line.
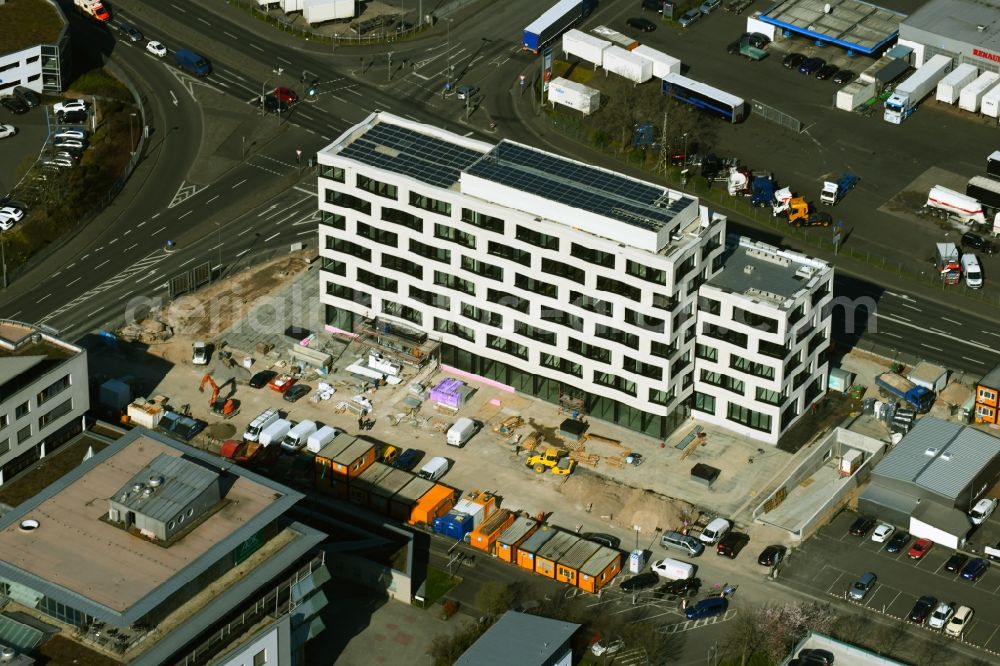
<point x="260" y="379"/>
<point x="709" y="6"/>
<point x="793" y="60"/>
<point x="882" y="532"/>
<point x="638" y="582"/>
<point x="941" y="615"/>
<point x="843" y="76"/>
<point x="286" y="95"/>
<point x="296" y="392"/>
<point x="408" y="459"/>
<point x="956" y="625"/>
<point x="897" y="542"/>
<point x="816" y="656"/>
<point x="920" y="548"/>
<point x="639" y="23"/>
<point x="684" y="587"/>
<point x="72" y="117"/>
<point x="389" y="454"/>
<point x="28" y="96"/>
<point x="12" y="213"/>
<point x="72" y="144"/>
<point x="7" y="130"/>
<point x="862" y="526"/>
<point x="67" y="154"/>
<point x="862" y="586"/>
<point x="467" y="91"/>
<point x="771" y="555"/>
<point x="707" y="608"/>
<point x="76" y="134"/>
<point x="976" y="241"/>
<point x="69" y="105"/>
<point x="826" y="71"/>
<point x="956" y="562"/>
<point x="758" y="40"/>
<point x="132" y="33"/>
<point x="975" y="569"/>
<point x="732" y="543"/>
<point x="157" y="49"/>
<point x="608" y="540"/>
<point x="14" y="105"/>
<point x="982" y="510"/>
<point x="922" y="609"/>
<point x="606" y="646"/>
<point x="689" y="17"/>
<point x="811" y="65"/>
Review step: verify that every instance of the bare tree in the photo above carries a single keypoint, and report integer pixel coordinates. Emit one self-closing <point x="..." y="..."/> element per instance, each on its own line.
<point x="890" y="636"/>
<point x="851" y="628"/>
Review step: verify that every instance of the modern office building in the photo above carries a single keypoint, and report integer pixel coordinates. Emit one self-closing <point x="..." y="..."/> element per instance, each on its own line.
<point x="44" y="392"/>
<point x="153" y="552"/>
<point x="544" y="275"/>
<point x="39" y="57"/>
<point x="963" y="30"/>
<point x="763" y="329"/>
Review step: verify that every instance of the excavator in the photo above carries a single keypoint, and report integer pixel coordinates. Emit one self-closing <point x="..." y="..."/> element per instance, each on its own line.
<point x="225" y="407"/>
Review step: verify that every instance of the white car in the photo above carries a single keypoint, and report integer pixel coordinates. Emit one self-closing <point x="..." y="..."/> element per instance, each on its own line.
<point x="75" y="134"/>
<point x="882" y="532"/>
<point x="70" y="105"/>
<point x="982" y="510"/>
<point x="157" y="49"/>
<point x="199" y="353"/>
<point x="364" y="402"/>
<point x="941" y="615"/>
<point x="13" y="213"/>
<point x="958" y="621"/>
<point x="606" y="647"/>
<point x="7" y="130"/>
<point x="72" y="144"/>
<point x="5" y="224"/>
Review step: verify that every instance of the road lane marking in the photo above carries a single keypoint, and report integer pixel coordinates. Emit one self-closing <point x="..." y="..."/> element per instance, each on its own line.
<point x="952" y="321"/>
<point x="185" y="215"/>
<point x="157" y="231"/>
<point x="252" y="45"/>
<point x="302" y="189"/>
<point x="240" y="254"/>
<point x="84" y="256"/>
<point x="50" y="293"/>
<point x="141" y="223"/>
<point x="101" y="264"/>
<point x="245" y="231"/>
<point x="71" y="265"/>
<point x="131" y="246"/>
<point x="126" y="295"/>
<point x="937" y="330"/>
<point x="907" y="305"/>
<point x="974" y="360"/>
<point x="325" y="137"/>
<point x="287" y="62"/>
<point x="229" y="34"/>
<point x="56" y="274"/>
<point x="303" y="233"/>
<point x="15" y="314"/>
<point x="212" y="199"/>
<point x="307" y="117"/>
<point x="352" y="90"/>
<point x="113" y="241"/>
<point x="204" y="21"/>
<point x="180" y="9"/>
<point x="930" y="347"/>
<point x="70" y="284"/>
<point x="238" y="184"/>
<point x="272" y="237"/>
<point x="900" y="337"/>
<point x="992" y="333"/>
<point x="951" y="339"/>
<point x="193" y="258"/>
<point x="95" y="312"/>
<point x="127" y="232"/>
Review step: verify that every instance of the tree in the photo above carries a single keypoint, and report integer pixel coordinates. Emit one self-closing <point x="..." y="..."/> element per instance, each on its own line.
<point x="446" y="649"/>
<point x="890" y="636"/>
<point x="495" y="598"/>
<point x="774" y="630"/>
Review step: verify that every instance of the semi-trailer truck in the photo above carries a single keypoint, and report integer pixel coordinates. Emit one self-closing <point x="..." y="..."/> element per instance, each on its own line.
<point x="560" y="17"/>
<point x="986" y="191"/>
<point x="903" y="101"/>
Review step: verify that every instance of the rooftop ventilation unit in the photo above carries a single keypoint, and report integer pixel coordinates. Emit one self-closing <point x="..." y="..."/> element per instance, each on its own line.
<point x="945" y="456"/>
<point x="748" y="269"/>
<point x="931" y="452"/>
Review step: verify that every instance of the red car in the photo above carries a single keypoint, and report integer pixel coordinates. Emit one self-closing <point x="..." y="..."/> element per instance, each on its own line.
<point x="281" y="383"/>
<point x="920" y="548"/>
<point x="286" y="95"/>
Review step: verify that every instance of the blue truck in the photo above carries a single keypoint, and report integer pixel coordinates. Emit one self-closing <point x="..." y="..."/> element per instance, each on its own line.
<point x="834" y="191"/>
<point x="896" y="386"/>
<point x="762" y="191"/>
<point x="560" y="17"/>
<point x="193" y="63"/>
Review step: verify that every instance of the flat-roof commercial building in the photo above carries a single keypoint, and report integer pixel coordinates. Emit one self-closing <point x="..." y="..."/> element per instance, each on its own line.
<point x="963" y="30"/>
<point x="44" y="392"/>
<point x="859" y="27"/>
<point x="146" y="549"/>
<point x="522" y="639"/>
<point x="537" y="273"/>
<point x="34" y="46"/>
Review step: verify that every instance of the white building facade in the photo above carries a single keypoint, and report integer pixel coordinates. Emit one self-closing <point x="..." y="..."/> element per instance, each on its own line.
<point x="43" y="67"/>
<point x="764" y="327"/>
<point x="537" y="273"/>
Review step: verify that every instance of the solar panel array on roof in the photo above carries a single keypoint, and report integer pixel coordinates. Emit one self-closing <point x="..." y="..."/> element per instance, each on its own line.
<point x="578" y="185"/>
<point x="405" y="151"/>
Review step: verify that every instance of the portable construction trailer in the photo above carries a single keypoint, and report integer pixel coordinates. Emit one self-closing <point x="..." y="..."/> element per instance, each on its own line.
<point x="485" y="536"/>
<point x="624" y="63"/>
<point x="854" y="94"/>
<point x="663" y="64"/>
<point x="553" y="551"/>
<point x="989" y="105"/>
<point x="568" y="566"/>
<point x="437" y="501"/>
<point x="599" y="570"/>
<point x="574" y="95"/>
<point x="585" y="47"/>
<point x="973" y="93"/>
<point x="950" y="87"/>
<point x="528" y="550"/>
<point x="386" y="488"/>
<point x="360" y="486"/>
<point x="512" y="537"/>
<point x="319" y="11"/>
<point x="340" y="461"/>
<point x="406" y="498"/>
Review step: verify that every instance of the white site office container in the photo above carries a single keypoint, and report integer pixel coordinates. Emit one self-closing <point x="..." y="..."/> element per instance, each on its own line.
<point x="574" y="95"/>
<point x="990" y="104"/>
<point x="318" y="11"/>
<point x="585" y="47"/>
<point x="854" y="94"/>
<point x="663" y="64"/>
<point x="973" y="93"/>
<point x="950" y="87"/>
<point x="624" y="63"/>
<point x="292" y="5"/>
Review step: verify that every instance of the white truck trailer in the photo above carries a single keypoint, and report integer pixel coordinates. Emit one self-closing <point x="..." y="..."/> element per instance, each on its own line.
<point x="989" y="105"/>
<point x="951" y="86"/>
<point x="624" y="63"/>
<point x="585" y="47"/>
<point x="663" y="64"/>
<point x="904" y="99"/>
<point x="854" y="94"/>
<point x="973" y="93"/>
<point x="574" y="95"/>
<point x="320" y="11"/>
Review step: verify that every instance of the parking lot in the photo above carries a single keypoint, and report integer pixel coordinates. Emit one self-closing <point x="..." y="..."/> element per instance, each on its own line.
<point x="832" y="561"/>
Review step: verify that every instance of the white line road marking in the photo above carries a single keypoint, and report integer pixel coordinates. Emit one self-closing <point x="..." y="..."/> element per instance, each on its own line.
<point x="974" y="360"/>
<point x="84" y="256"/>
<point x="70" y="284"/>
<point x="238" y="184"/>
<point x="287" y="62"/>
<point x="113" y="241"/>
<point x="126" y="295"/>
<point x="352" y="90"/>
<point x="952" y="321"/>
<point x="193" y="258"/>
<point x="922" y="344"/>
<point x="240" y="254"/>
<point x="245" y="231"/>
<point x="992" y="333"/>
<point x="325" y="137"/>
<point x="307" y="117"/>
<point x="271" y="237"/>
<point x="302" y="189"/>
<point x="907" y="305"/>
<point x="15" y="314"/>
<point x="951" y="339"/>
<point x="469" y="133"/>
<point x="937" y="330"/>
<point x="425" y="78"/>
<point x="157" y="231"/>
<point x="303" y="233"/>
<point x="900" y="337"/>
<point x="95" y="312"/>
<point x="71" y="265"/>
<point x="180" y="9"/>
<point x="50" y="293"/>
<point x="154" y="217"/>
<point x="127" y="232"/>
<point x="229" y="34"/>
<point x="131" y="246"/>
<point x="254" y="46"/>
<point x="212" y="199"/>
<point x="185" y="215"/>
<point x="204" y="21"/>
<point x="141" y="223"/>
<point x="101" y="264"/>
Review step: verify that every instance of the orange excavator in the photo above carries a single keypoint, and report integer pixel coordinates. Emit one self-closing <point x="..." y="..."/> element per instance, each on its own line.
<point x="226" y="407"/>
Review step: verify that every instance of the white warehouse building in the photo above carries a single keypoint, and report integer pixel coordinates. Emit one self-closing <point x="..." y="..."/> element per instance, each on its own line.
<point x="536" y="273"/>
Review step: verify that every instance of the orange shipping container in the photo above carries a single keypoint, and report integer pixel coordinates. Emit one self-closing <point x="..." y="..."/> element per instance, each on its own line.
<point x="402" y="503"/>
<point x="486" y="534"/>
<point x="437" y="501"/>
<point x="569" y="564"/>
<point x="599" y="570"/>
<point x="324" y="478"/>
<point x="514" y="536"/>
<point x="552" y="552"/>
<point x="528" y="550"/>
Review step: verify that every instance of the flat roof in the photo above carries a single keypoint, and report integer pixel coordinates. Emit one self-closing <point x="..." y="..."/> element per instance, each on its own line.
<point x="415" y="489"/>
<point x="599" y="561"/>
<point x="533" y="543"/>
<point x="354" y="450"/>
<point x="115" y="575"/>
<point x="960" y="20"/>
<point x="557" y="547"/>
<point x="940" y="456"/>
<point x="579" y="553"/>
<point x="26" y="353"/>
<point x="392" y="482"/>
<point x="852" y="24"/>
<point x="763" y="272"/>
<point x="992" y="378"/>
<point x="519" y="638"/>
<point x="27" y="23"/>
<point x="517" y="530"/>
<point x="178" y="482"/>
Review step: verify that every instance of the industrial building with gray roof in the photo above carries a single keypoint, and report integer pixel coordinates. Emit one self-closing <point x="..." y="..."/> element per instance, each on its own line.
<point x="965" y="30"/>
<point x="522" y="639"/>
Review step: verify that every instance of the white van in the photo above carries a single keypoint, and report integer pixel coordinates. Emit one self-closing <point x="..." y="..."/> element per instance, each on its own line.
<point x="297" y="436"/>
<point x="672" y="569"/>
<point x="715" y="531"/>
<point x="462" y="431"/>
<point x="321" y="438"/>
<point x="434" y="468"/>
<point x="973" y="273"/>
<point x="275" y="432"/>
<point x="264" y="419"/>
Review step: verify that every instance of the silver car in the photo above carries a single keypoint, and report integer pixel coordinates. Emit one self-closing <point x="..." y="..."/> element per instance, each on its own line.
<point x="863" y="586"/>
<point x="75" y="134"/>
<point x="709" y="5"/>
<point x="689" y="17"/>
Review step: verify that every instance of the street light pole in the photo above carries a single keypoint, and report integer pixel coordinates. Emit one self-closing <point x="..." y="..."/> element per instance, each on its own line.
<point x="262" y="87"/>
<point x="448" y="85"/>
<point x="3" y="255"/>
<point x="131" y="139"/>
